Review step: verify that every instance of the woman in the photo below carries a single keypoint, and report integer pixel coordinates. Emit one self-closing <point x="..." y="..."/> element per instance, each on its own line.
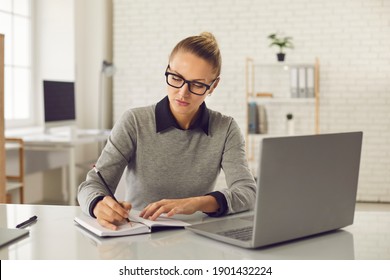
<point x="175" y="149"/>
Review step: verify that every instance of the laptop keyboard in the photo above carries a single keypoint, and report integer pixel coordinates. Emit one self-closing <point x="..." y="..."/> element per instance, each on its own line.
<point x="243" y="234"/>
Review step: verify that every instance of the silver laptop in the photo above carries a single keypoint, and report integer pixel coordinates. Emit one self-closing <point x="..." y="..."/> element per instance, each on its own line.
<point x="306" y="185"/>
<point x="8" y="235"/>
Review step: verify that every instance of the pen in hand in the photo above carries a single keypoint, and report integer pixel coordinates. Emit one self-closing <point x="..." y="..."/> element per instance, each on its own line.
<point x="107" y="188"/>
<point x="28" y="222"/>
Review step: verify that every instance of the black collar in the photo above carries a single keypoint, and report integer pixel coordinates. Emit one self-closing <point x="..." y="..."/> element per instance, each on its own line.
<point x="165" y="119"/>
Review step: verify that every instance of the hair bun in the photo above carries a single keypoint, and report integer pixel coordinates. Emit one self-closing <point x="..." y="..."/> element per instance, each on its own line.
<point x="204" y="46"/>
<point x="208" y="35"/>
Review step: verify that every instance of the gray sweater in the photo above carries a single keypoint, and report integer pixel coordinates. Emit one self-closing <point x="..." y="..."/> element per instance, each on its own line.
<point x="173" y="163"/>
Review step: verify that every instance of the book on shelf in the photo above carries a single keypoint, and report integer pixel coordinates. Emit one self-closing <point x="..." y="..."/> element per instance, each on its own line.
<point x="253" y="118"/>
<point x="138" y="225"/>
<point x="264" y="94"/>
<point x="263" y="123"/>
<point x="257" y="118"/>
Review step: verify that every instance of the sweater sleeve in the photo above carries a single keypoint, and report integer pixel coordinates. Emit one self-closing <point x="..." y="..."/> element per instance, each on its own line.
<point x="111" y="163"/>
<point x="240" y="193"/>
<point x="222" y="202"/>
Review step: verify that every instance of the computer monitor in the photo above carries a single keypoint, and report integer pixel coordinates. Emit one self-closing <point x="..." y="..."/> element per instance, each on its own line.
<point x="59" y="104"/>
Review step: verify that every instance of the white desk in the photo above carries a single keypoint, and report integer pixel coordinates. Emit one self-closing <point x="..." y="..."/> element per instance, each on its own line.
<point x="55" y="236"/>
<point x="58" y="143"/>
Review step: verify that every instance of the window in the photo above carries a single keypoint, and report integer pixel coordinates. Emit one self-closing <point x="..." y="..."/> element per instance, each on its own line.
<point x="15" y="24"/>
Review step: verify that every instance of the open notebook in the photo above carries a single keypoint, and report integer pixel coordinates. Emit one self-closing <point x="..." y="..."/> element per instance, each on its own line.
<point x="138" y="225"/>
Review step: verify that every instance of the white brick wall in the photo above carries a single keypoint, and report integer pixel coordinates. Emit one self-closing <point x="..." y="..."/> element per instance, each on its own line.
<point x="350" y="37"/>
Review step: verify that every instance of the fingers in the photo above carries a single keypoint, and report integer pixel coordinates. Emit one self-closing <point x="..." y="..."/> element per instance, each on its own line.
<point x="116" y="207"/>
<point x="170" y="207"/>
<point x="154" y="210"/>
<point x="174" y="211"/>
<point x="107" y="224"/>
<point x="109" y="213"/>
<point x="126" y="206"/>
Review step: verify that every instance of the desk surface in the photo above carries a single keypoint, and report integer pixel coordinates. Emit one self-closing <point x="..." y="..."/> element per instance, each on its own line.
<point x="55" y="236"/>
<point x="37" y="138"/>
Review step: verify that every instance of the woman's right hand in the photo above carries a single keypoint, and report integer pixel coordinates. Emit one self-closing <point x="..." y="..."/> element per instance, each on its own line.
<point x="110" y="213"/>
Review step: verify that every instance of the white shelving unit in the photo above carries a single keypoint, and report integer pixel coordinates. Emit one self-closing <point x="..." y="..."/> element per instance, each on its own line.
<point x="270" y="85"/>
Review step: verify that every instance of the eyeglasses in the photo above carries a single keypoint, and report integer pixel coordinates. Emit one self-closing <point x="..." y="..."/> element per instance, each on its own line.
<point x="194" y="87"/>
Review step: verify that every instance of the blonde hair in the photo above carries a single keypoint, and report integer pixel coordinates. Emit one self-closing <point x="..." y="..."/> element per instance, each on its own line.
<point x="204" y="46"/>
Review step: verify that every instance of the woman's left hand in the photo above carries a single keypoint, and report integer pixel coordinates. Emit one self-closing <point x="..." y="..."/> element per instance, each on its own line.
<point x="179" y="206"/>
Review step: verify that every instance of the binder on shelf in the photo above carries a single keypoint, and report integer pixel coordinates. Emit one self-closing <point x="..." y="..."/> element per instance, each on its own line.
<point x="310" y="81"/>
<point x="294" y="82"/>
<point x="302" y="82"/>
<point x="253" y="118"/>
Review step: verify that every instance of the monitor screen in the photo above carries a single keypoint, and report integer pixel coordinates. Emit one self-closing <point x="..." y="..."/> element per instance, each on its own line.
<point x="59" y="101"/>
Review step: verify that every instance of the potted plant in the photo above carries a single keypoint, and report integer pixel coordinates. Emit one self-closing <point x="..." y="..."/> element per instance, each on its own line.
<point x="281" y="42"/>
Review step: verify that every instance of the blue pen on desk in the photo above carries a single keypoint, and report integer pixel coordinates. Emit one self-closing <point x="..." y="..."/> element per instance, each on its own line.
<point x="107" y="188"/>
<point x="28" y="222"/>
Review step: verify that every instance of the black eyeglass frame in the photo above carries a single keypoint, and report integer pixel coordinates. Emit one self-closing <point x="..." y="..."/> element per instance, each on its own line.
<point x="188" y="82"/>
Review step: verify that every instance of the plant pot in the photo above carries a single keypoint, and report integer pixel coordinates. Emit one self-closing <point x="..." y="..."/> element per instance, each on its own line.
<point x="281" y="56"/>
